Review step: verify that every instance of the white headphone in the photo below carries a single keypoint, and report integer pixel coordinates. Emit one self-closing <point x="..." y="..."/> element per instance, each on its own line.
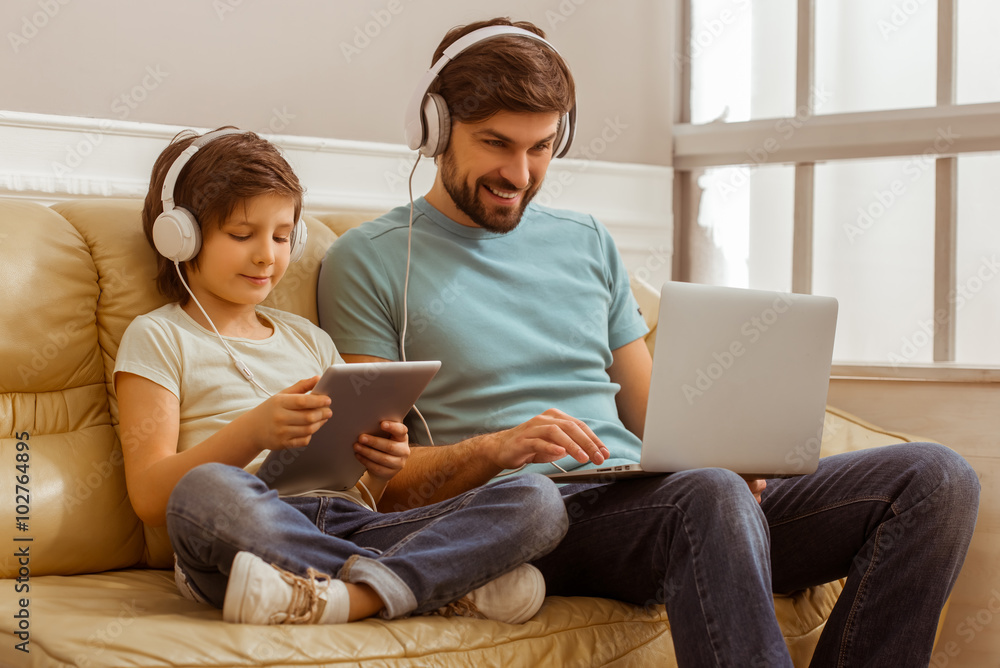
<point x="176" y="232"/>
<point x="428" y="122"/>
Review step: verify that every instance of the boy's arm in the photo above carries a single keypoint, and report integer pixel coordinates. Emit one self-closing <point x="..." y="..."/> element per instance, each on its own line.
<point x="149" y="422"/>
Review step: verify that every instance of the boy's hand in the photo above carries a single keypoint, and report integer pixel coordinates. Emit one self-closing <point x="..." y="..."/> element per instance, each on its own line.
<point x="384" y="457"/>
<point x="290" y="418"/>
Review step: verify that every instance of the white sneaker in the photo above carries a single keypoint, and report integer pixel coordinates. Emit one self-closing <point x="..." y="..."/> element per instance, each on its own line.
<point x="262" y="593"/>
<point x="513" y="598"/>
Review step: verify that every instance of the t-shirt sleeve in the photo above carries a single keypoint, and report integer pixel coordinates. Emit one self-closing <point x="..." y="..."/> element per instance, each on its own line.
<point x="625" y="321"/>
<point x="355" y="301"/>
<point x="147" y="350"/>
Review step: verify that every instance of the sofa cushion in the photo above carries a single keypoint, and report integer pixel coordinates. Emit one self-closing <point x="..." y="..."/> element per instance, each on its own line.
<point x="137" y="618"/>
<point x="54" y="396"/>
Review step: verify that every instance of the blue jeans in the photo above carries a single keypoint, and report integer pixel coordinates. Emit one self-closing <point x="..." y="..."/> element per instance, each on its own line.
<point x="416" y="560"/>
<point x="896" y="521"/>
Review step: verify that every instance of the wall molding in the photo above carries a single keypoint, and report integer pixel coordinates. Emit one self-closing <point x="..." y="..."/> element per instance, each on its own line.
<point x="49" y="158"/>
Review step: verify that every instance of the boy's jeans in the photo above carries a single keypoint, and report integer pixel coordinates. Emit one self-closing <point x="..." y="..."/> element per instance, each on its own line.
<point x="416" y="560"/>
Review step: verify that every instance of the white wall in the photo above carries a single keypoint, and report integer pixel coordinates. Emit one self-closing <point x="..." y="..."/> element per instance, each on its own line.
<point x="320" y="68"/>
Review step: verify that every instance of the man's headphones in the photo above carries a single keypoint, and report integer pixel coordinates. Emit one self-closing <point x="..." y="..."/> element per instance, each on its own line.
<point x="428" y="122"/>
<point x="176" y="232"/>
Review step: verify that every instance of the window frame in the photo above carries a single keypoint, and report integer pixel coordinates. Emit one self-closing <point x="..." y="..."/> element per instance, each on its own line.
<point x="972" y="128"/>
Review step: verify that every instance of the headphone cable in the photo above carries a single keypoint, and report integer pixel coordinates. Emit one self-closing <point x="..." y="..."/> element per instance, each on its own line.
<point x="406" y="292"/>
<point x="240" y="365"/>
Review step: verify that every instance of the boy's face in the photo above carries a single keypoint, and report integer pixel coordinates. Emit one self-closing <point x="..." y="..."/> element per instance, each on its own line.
<point x="242" y="260"/>
<point x="493" y="168"/>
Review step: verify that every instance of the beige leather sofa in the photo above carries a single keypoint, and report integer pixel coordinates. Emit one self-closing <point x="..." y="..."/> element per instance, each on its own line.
<point x="91" y="585"/>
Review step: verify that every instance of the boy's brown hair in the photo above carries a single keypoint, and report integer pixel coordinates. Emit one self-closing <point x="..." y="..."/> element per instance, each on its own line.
<point x="507" y="73"/>
<point x="225" y="172"/>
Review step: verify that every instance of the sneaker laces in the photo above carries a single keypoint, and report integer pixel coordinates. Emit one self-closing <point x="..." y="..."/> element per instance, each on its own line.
<point x="306" y="603"/>
<point x="463" y="607"/>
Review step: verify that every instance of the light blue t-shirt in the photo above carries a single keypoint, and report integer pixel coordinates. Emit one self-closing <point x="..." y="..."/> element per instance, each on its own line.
<point x="522" y="322"/>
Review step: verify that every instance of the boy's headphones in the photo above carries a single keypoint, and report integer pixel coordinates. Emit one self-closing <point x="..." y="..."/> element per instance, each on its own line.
<point x="176" y="232"/>
<point x="428" y="122"/>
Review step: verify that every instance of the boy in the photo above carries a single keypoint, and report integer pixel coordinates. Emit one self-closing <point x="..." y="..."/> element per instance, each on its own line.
<point x="223" y="212"/>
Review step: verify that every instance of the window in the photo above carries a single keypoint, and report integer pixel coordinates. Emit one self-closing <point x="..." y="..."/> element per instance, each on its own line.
<point x="848" y="148"/>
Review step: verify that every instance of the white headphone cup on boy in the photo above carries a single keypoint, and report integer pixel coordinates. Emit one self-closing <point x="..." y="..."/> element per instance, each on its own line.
<point x="176" y="233"/>
<point x="427" y="125"/>
<point x="297" y="240"/>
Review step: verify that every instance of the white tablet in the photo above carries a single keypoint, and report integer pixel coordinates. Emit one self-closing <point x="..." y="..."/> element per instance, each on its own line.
<point x="363" y="396"/>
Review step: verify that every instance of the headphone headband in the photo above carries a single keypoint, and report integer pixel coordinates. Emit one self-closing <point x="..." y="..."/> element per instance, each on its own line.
<point x="170" y="180"/>
<point x="431" y="140"/>
<point x="176" y="233"/>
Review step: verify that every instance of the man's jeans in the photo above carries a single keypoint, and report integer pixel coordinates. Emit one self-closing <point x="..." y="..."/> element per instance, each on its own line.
<point x="895" y="521"/>
<point x="415" y="560"/>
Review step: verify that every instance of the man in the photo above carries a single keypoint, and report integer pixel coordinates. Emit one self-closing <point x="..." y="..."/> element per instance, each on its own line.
<point x="544" y="362"/>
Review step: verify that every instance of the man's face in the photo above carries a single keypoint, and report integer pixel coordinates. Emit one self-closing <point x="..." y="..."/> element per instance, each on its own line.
<point x="493" y="168"/>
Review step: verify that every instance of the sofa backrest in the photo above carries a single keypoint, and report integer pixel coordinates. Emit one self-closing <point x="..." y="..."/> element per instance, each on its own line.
<point x="78" y="273"/>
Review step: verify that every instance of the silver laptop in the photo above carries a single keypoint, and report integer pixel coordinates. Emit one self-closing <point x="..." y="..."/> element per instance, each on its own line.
<point x="739" y="381"/>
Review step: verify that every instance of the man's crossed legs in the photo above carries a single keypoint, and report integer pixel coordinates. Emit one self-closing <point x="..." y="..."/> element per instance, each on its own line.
<point x="896" y="521"/>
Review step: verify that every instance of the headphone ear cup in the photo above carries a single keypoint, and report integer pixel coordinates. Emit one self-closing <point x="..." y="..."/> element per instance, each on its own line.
<point x="437" y="120"/>
<point x="176" y="235"/>
<point x="564" y="138"/>
<point x="300" y="235"/>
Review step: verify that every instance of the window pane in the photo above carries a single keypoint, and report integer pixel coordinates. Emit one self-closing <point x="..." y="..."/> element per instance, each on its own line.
<point x="876" y="54"/>
<point x="874" y="251"/>
<point x="744" y="232"/>
<point x="742" y="60"/>
<point x="978" y="52"/>
<point x="977" y="290"/>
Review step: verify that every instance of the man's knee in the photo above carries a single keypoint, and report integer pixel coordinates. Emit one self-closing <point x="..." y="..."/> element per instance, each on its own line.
<point x="951" y="473"/>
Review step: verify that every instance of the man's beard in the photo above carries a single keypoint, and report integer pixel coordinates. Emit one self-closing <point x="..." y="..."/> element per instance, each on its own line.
<point x="500" y="219"/>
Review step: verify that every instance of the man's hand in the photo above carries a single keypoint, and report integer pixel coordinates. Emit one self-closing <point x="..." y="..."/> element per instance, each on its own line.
<point x="757" y="486"/>
<point x="290" y="418"/>
<point x="384" y="457"/>
<point x="545" y="438"/>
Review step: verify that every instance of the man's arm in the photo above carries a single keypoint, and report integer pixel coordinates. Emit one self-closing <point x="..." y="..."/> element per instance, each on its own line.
<point x="631" y="368"/>
<point x="437" y="473"/>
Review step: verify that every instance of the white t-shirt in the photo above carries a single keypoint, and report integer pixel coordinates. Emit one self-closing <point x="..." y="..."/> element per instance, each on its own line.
<point x="167" y="346"/>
